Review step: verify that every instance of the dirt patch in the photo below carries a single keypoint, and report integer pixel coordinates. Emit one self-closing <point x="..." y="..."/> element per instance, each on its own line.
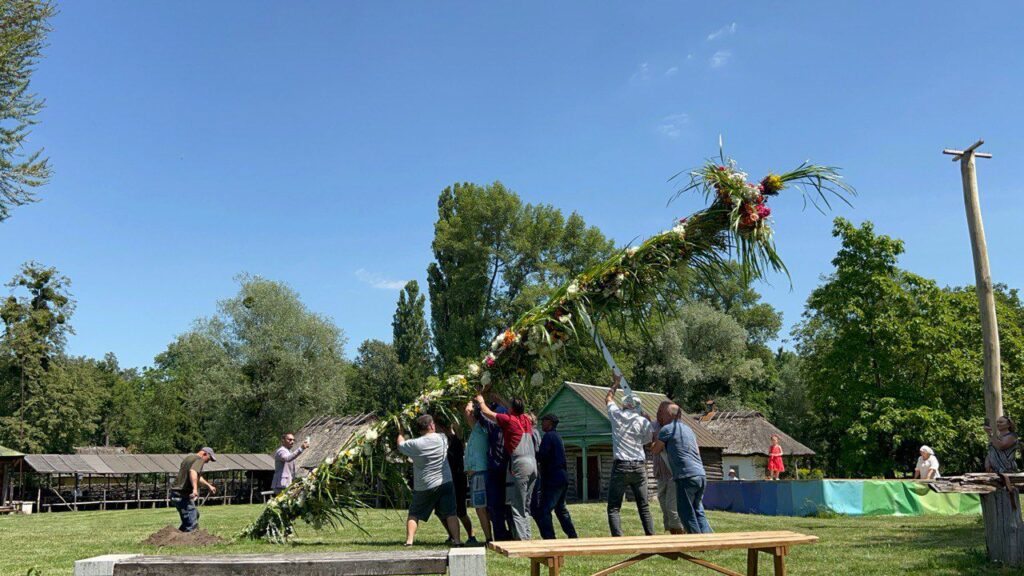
<point x="171" y="536"/>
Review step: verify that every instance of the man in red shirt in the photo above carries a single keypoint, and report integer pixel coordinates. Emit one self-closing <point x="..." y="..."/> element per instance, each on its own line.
<point x="517" y="432"/>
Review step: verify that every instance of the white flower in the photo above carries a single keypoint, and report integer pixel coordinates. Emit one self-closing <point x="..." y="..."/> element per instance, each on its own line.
<point x="371" y="435"/>
<point x="631" y="251"/>
<point x="739" y="176"/>
<point x="537" y="379"/>
<point x="485" y="379"/>
<point x="679" y="229"/>
<point x="329" y="460"/>
<point x="565" y="319"/>
<point x="452" y="381"/>
<point x="474" y="369"/>
<point x="573" y="289"/>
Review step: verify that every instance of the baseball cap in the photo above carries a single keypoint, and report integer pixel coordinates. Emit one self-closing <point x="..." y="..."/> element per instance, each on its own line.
<point x="208" y="450"/>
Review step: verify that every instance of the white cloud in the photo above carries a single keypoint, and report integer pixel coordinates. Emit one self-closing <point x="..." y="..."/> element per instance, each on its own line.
<point x="720" y="58"/>
<point x="671" y="126"/>
<point x="723" y="31"/>
<point x="378" y="281"/>
<point x="671" y="71"/>
<point x="642" y="74"/>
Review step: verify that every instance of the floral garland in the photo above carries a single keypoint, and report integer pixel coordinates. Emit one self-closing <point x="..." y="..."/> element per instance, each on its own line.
<point x="736" y="225"/>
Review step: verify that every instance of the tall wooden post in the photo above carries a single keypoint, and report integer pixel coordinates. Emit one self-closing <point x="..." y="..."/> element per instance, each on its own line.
<point x="982" y="281"/>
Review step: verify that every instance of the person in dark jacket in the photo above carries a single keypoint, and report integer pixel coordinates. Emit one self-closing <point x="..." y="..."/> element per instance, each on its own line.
<point x="554" y="482"/>
<point x="497" y="469"/>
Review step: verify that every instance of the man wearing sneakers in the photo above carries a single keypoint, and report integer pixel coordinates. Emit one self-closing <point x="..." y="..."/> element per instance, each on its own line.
<point x="433" y="491"/>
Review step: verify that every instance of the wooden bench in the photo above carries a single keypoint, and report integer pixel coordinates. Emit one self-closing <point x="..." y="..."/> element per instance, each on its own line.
<point x="552" y="553"/>
<point x="456" y="562"/>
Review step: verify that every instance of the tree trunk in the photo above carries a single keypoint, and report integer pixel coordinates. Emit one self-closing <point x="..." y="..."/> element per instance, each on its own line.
<point x="1004" y="529"/>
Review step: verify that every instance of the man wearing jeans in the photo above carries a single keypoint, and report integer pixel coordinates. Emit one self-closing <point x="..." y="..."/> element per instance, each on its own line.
<point x="554" y="482"/>
<point x="631" y="431"/>
<point x="187" y="482"/>
<point x="666" y="485"/>
<point x="679" y="442"/>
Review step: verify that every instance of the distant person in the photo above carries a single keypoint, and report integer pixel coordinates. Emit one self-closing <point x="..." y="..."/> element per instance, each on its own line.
<point x="927" y="465"/>
<point x="554" y="481"/>
<point x="284" y="462"/>
<point x="186" y="484"/>
<point x="517" y="432"/>
<point x="457" y="463"/>
<point x="775" y="465"/>
<point x="432" y="480"/>
<point x="678" y="440"/>
<point x="1002" y="446"/>
<point x="476" y="470"/>
<point x="631" y="431"/>
<point x="666" y="486"/>
<point x="732" y="473"/>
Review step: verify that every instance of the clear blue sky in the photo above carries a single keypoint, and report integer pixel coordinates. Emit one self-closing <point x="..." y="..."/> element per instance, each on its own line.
<point x="307" y="142"/>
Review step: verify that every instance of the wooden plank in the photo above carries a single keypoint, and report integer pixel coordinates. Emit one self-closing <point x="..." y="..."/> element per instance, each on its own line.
<point x="681" y="543"/>
<point x="709" y="565"/>
<point x="752" y="562"/>
<point x="624" y="564"/>
<point x="318" y="564"/>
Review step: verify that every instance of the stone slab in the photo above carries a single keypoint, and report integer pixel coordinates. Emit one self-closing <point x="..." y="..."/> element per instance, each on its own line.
<point x="314" y="564"/>
<point x="100" y="565"/>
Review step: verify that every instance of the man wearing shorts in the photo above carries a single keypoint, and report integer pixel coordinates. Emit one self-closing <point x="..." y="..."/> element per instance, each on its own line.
<point x="476" y="469"/>
<point x="433" y="490"/>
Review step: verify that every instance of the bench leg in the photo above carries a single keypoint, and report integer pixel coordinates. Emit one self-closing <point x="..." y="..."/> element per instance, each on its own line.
<point x="780" y="561"/>
<point x="534" y="567"/>
<point x="752" y="562"/>
<point x="555" y="566"/>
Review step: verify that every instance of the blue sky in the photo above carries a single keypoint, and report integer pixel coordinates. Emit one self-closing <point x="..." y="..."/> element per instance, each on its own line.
<point x="307" y="142"/>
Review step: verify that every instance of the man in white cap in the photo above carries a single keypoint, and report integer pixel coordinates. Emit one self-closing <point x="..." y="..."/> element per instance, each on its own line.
<point x="187" y="485"/>
<point x="631" y="431"/>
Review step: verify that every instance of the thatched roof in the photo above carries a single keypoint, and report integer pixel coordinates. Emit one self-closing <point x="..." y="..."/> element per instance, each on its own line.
<point x="100" y="450"/>
<point x="748" y="433"/>
<point x="594" y="395"/>
<point x="328" y="434"/>
<point x="6" y="452"/>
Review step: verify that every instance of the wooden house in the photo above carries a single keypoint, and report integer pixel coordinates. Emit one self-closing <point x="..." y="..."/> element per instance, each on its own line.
<point x="586" y="431"/>
<point x="748" y="436"/>
<point x="327" y="434"/>
<point x="10" y="461"/>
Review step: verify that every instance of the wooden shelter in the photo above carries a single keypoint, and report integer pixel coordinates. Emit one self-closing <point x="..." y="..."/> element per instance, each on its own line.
<point x="587" y="433"/>
<point x="327" y="435"/>
<point x="99" y="481"/>
<point x="10" y="461"/>
<point x="747" y="435"/>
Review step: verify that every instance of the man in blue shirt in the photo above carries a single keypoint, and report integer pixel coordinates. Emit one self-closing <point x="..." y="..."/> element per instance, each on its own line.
<point x="497" y="469"/>
<point x="679" y="442"/>
<point x="554" y="482"/>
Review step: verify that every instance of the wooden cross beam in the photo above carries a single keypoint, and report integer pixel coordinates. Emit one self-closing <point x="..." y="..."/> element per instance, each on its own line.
<point x="958" y="154"/>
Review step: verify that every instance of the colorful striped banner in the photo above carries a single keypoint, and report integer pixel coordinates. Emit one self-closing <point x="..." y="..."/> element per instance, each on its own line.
<point x="848" y="497"/>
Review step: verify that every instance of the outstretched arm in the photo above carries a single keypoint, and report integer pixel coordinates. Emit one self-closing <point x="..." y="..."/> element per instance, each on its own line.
<point x="616" y="380"/>
<point x="485" y="410"/>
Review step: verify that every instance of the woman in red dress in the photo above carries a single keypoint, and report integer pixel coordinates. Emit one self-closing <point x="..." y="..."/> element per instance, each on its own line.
<point x="775" y="465"/>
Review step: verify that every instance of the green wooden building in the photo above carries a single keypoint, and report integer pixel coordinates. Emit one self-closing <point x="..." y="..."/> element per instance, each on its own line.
<point x="10" y="460"/>
<point x="587" y="433"/>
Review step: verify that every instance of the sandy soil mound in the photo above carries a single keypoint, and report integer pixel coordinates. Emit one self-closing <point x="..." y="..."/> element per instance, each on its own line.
<point x="171" y="536"/>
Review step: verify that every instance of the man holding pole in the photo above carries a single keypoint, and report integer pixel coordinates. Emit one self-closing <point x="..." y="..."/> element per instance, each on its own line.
<point x="631" y="431"/>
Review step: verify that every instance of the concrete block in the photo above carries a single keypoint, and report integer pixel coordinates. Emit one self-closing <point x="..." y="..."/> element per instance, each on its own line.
<point x="100" y="565"/>
<point x="467" y="562"/>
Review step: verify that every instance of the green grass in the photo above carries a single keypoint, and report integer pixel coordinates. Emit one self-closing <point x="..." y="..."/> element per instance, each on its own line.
<point x="933" y="545"/>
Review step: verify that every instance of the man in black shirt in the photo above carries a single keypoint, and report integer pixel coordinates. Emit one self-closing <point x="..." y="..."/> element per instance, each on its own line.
<point x="187" y="485"/>
<point x="554" y="482"/>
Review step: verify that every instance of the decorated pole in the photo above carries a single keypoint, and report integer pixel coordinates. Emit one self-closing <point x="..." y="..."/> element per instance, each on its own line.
<point x="735" y="225"/>
<point x="982" y="281"/>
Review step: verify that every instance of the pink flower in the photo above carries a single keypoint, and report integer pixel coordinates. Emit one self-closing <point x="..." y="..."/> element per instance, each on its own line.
<point x="683" y="220"/>
<point x="763" y="211"/>
<point x="489" y="360"/>
<point x="721" y="168"/>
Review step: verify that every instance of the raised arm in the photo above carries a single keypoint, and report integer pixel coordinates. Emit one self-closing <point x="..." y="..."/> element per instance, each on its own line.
<point x="485" y="410"/>
<point x="609" y="398"/>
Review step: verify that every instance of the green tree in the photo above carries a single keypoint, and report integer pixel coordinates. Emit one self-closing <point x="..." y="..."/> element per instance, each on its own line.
<point x="495" y="257"/>
<point x="23" y="28"/>
<point x="36" y="325"/>
<point x="379" y="385"/>
<point x="699" y="355"/>
<point x="411" y="337"/>
<point x="262" y="365"/>
<point x="892" y="361"/>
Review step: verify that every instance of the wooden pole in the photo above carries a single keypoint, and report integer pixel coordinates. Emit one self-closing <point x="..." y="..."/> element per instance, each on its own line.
<point x="982" y="281"/>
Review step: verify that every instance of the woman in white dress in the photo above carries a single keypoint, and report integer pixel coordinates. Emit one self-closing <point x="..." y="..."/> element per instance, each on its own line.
<point x="927" y="465"/>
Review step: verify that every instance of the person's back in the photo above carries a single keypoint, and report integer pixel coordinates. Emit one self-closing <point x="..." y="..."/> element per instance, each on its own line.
<point x="631" y="430"/>
<point x="682" y="449"/>
<point x="551" y="460"/>
<point x="429" y="459"/>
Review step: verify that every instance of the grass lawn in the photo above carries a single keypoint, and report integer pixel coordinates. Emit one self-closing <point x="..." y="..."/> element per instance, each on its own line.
<point x="932" y="545"/>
